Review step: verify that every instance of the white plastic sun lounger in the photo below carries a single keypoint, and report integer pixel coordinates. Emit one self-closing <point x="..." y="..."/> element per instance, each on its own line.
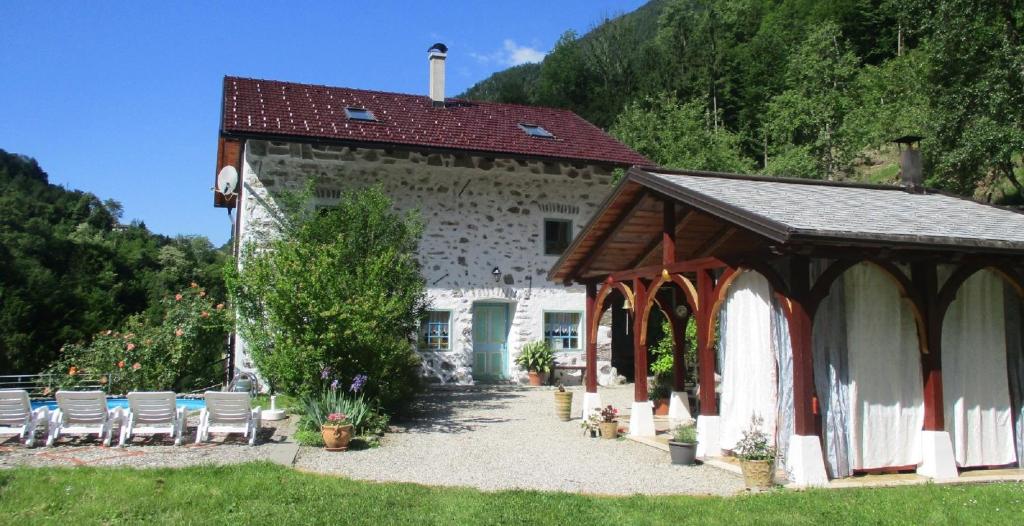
<point x="228" y="413"/>
<point x="153" y="413"/>
<point x="83" y="413"/>
<point x="18" y="418"/>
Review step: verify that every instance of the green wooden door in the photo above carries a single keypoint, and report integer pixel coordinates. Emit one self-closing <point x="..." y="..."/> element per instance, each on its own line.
<point x="490" y="340"/>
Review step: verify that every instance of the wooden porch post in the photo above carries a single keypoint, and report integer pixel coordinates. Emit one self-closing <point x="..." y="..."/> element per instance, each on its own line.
<point x="639" y="346"/>
<point x="925" y="280"/>
<point x="800" y="329"/>
<point x="678" y="352"/>
<point x="705" y="351"/>
<point x="591" y="325"/>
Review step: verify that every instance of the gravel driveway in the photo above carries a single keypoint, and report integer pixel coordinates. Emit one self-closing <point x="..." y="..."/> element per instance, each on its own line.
<point x="507" y="437"/>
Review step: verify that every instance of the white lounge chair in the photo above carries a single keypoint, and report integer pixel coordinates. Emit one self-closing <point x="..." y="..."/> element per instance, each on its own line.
<point x="153" y="413"/>
<point x="228" y="413"/>
<point x="18" y="418"/>
<point x="83" y="413"/>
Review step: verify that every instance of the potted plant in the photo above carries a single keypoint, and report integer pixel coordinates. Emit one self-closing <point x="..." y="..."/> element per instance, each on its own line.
<point x="592" y="423"/>
<point x="563" y="403"/>
<point x="337" y="432"/>
<point x="683" y="444"/>
<point x="537" y="358"/>
<point x="660" y="395"/>
<point x="609" y="423"/>
<point x="757" y="455"/>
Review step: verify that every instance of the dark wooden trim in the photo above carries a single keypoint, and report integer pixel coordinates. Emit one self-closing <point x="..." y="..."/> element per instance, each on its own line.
<point x="653" y="271"/>
<point x="705" y="350"/>
<point x="716" y="240"/>
<point x="668" y="231"/>
<point x="591" y="371"/>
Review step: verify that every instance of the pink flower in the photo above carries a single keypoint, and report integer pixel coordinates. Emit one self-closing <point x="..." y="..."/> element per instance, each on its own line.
<point x="202" y="293"/>
<point x="336" y="417"/>
<point x="178" y="332"/>
<point x="130" y="346"/>
<point x="220" y="306"/>
<point x="204" y="314"/>
<point x="72" y="370"/>
<point x="136" y="366"/>
<point x="120" y="364"/>
<point x="194" y="284"/>
<point x="177" y="297"/>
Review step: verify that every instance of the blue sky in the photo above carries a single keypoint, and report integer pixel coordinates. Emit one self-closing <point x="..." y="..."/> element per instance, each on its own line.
<point x="122" y="100"/>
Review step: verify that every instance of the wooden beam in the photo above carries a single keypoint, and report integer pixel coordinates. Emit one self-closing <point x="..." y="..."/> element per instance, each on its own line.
<point x="609" y="235"/>
<point x="688" y="217"/>
<point x="641" y="309"/>
<point x="591" y="319"/>
<point x="705" y="345"/>
<point x="653" y="271"/>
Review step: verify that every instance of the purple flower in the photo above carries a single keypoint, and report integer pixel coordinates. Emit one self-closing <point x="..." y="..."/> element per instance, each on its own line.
<point x="334" y="384"/>
<point x="357" y="383"/>
<point x="325" y="373"/>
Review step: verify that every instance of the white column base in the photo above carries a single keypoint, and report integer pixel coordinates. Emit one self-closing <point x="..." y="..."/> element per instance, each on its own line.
<point x="805" y="463"/>
<point x="938" y="462"/>
<point x="591" y="401"/>
<point x="679" y="408"/>
<point x="708" y="439"/>
<point x="641" y="419"/>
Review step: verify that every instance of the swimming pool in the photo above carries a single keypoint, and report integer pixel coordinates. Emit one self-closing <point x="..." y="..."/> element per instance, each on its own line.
<point x="191" y="404"/>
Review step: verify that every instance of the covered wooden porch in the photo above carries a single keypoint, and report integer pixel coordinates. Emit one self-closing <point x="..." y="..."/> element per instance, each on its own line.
<point x="676" y="240"/>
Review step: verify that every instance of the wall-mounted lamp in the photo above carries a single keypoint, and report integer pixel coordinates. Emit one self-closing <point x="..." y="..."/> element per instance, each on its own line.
<point x="497" y="274"/>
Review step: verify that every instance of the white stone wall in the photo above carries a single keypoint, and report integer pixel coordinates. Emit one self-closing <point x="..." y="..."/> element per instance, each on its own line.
<point x="480" y="213"/>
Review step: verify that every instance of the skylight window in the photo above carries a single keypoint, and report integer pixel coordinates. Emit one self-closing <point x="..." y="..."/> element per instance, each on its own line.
<point x="359" y="114"/>
<point x="534" y="130"/>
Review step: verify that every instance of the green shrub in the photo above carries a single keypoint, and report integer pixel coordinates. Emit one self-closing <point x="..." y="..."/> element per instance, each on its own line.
<point x="338" y="289"/>
<point x="685" y="433"/>
<point x="536" y="356"/>
<point x="367" y="420"/>
<point x="662" y="362"/>
<point x="183" y="351"/>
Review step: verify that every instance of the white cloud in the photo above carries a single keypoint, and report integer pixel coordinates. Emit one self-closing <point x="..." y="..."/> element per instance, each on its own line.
<point x="521" y="54"/>
<point x="511" y="54"/>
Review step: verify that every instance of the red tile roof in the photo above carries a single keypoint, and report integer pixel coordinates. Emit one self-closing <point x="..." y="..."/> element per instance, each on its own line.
<point x="285" y="109"/>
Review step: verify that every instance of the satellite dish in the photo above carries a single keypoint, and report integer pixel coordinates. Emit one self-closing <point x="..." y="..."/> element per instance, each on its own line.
<point x="227" y="180"/>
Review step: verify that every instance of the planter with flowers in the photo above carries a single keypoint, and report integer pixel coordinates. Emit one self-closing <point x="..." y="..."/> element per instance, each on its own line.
<point x="609" y="423"/>
<point x="757" y="455"/>
<point x="537" y="358"/>
<point x="337" y="432"/>
<point x="683" y="444"/>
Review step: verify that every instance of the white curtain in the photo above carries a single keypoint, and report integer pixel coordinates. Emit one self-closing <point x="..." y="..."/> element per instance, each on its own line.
<point x="883" y="358"/>
<point x="749" y="376"/>
<point x="975" y="388"/>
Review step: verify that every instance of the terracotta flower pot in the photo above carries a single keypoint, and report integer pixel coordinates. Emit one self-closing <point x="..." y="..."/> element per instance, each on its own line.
<point x="757" y="473"/>
<point x="563" y="405"/>
<point x="336" y="438"/>
<point x="661" y="407"/>
<point x="535" y="378"/>
<point x="609" y="430"/>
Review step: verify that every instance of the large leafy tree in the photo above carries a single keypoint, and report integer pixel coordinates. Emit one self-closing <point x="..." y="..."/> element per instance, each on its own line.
<point x="70" y="269"/>
<point x="680" y="135"/>
<point x="337" y="290"/>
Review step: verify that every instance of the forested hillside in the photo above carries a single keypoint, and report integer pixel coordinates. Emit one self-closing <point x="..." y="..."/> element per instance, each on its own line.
<point x="69" y="269"/>
<point x="800" y="87"/>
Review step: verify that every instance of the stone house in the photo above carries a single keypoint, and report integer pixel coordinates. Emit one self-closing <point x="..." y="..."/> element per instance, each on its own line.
<point x="503" y="189"/>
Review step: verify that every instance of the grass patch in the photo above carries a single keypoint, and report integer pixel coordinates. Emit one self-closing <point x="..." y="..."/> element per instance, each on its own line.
<point x="269" y="494"/>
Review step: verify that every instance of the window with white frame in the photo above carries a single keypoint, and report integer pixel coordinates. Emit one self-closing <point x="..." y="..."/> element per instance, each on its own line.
<point x="562" y="330"/>
<point x="435" y="330"/>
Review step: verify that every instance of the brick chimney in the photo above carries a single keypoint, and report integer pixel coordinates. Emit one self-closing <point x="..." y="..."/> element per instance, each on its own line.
<point x="911" y="171"/>
<point x="436" y="55"/>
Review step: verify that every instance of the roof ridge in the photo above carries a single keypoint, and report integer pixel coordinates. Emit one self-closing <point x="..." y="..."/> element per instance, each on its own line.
<point x="403" y="94"/>
<point x="775" y="179"/>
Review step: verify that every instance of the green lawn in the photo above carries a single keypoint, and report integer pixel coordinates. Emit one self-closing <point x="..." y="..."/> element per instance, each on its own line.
<point x="268" y="494"/>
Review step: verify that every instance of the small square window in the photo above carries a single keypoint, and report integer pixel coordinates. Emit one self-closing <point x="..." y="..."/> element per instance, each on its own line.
<point x="557" y="236"/>
<point x="435" y="331"/>
<point x="562" y="330"/>
<point x="359" y="114"/>
<point x="535" y="130"/>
